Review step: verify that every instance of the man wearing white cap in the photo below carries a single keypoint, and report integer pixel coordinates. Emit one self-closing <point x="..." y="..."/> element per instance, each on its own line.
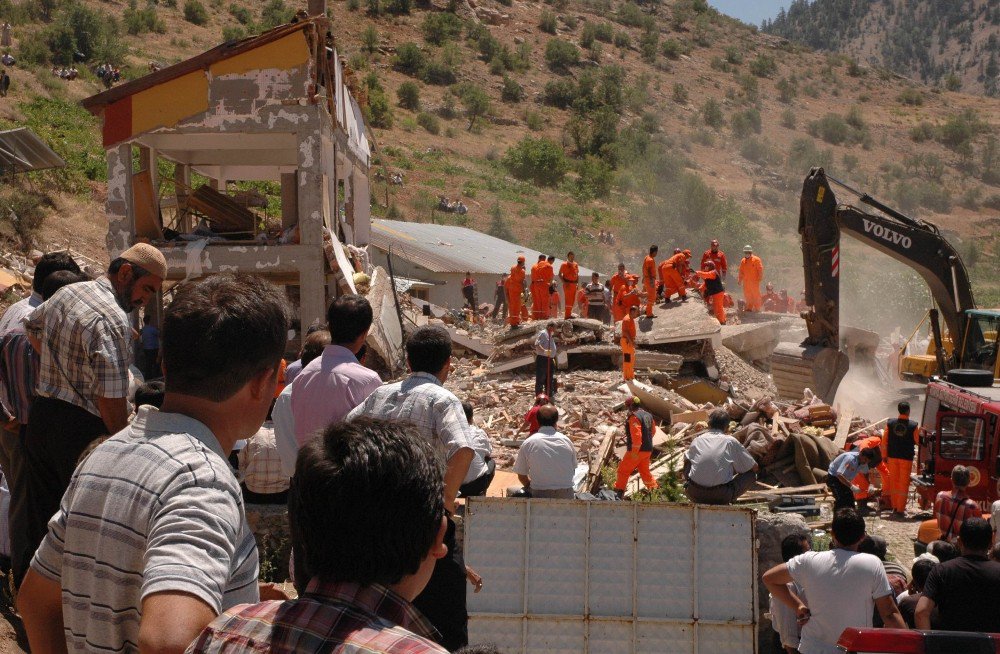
<point x="84" y="336"/>
<point x="750" y="276"/>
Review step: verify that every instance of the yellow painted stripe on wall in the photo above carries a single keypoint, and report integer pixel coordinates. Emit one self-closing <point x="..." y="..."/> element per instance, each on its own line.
<point x="166" y="104"/>
<point x="287" y="52"/>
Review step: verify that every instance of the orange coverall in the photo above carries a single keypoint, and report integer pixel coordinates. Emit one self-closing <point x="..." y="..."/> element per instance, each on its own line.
<point x="751" y="274"/>
<point x="670" y="274"/>
<point x="898" y="483"/>
<point x="628" y="348"/>
<point x="514" y="288"/>
<point x="569" y="272"/>
<point x="718" y="258"/>
<point x="639" y="451"/>
<point x="553" y="305"/>
<point x="618" y="281"/>
<point x="717" y="300"/>
<point x="541" y="277"/>
<point x="581" y="302"/>
<point x="627" y="296"/>
<point x="861" y="481"/>
<point x="649" y="282"/>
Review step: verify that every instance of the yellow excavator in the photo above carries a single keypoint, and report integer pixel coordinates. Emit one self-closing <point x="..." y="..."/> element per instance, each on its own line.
<point x="818" y="362"/>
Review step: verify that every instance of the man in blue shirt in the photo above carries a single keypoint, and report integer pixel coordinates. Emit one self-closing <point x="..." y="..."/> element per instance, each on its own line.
<point x="844" y="469"/>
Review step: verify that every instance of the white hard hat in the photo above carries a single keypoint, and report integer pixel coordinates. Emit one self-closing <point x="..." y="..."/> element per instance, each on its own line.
<point x="747" y="248"/>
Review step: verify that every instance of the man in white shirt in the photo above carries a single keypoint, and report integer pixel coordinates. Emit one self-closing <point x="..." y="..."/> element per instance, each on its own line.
<point x="842" y="585"/>
<point x="545" y="360"/>
<point x="784" y="621"/>
<point x="546" y="460"/>
<point x="718" y="469"/>
<point x="482" y="469"/>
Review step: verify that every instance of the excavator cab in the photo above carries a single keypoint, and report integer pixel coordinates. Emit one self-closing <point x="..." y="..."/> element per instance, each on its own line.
<point x="979" y="343"/>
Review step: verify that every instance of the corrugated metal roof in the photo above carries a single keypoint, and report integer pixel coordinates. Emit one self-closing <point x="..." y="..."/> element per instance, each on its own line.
<point x="21" y="151"/>
<point x="452" y="249"/>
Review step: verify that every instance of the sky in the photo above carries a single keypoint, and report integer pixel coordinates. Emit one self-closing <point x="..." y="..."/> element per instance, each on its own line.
<point x="750" y="11"/>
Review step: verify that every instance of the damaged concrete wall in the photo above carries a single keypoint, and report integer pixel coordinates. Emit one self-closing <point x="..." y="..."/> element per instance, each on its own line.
<point x="447" y="291"/>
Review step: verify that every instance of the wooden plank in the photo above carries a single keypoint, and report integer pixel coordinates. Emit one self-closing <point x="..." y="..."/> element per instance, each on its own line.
<point x="603" y="454"/>
<point x="689" y="417"/>
<point x="811" y="488"/>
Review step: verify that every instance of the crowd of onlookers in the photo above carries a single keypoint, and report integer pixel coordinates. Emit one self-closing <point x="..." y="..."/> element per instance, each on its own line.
<point x="126" y="501"/>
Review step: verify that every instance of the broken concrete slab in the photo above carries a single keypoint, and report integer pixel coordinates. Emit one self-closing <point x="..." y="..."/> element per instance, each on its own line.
<point x="655" y="402"/>
<point x="386" y="335"/>
<point x="676" y="322"/>
<point x="752" y="341"/>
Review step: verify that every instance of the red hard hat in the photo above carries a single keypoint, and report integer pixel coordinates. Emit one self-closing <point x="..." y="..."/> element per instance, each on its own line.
<point x="541" y="397"/>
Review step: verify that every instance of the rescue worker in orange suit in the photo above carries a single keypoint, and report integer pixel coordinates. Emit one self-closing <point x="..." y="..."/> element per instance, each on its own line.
<point x="581" y="301"/>
<point x="771" y="301"/>
<point x="898" y="451"/>
<point x="628" y="343"/>
<point x="553" y="302"/>
<point x="672" y="275"/>
<point x="628" y="296"/>
<point x="639" y="430"/>
<point x="618" y="281"/>
<point x="569" y="273"/>
<point x="649" y="278"/>
<point x="715" y="292"/>
<point x="861" y="481"/>
<point x="540" y="289"/>
<point x="515" y="287"/>
<point x="716" y="256"/>
<point x="750" y="275"/>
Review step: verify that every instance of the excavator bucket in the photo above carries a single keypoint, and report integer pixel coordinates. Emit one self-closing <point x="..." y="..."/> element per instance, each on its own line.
<point x="796" y="367"/>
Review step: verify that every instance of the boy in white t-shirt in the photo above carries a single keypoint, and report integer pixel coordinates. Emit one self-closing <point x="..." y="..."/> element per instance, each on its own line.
<point x="842" y="586"/>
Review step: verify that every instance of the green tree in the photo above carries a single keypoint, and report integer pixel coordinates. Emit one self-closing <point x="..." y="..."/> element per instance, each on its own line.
<point x="475" y="100"/>
<point x="195" y="12"/>
<point x="560" y="55"/>
<point x="275" y="13"/>
<point x="711" y="113"/>
<point x="441" y="27"/>
<point x="409" y="59"/>
<point x="536" y="160"/>
<point x="409" y="96"/>
<point x="369" y="39"/>
<point x="512" y="91"/>
<point x="547" y="22"/>
<point x="499" y="226"/>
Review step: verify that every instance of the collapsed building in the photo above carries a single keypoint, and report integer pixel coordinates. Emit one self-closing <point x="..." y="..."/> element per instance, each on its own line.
<point x="210" y="131"/>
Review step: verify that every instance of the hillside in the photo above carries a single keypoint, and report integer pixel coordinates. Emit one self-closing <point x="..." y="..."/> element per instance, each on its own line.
<point x="664" y="122"/>
<point x="953" y="43"/>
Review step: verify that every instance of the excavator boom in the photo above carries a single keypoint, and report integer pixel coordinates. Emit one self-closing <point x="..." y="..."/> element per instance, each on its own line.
<point x="818" y="359"/>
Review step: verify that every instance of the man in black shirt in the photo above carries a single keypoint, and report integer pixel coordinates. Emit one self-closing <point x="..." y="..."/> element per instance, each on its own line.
<point x="966" y="590"/>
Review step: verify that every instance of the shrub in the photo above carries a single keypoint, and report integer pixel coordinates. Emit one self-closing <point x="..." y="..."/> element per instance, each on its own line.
<point x="560" y="55"/>
<point x="763" y="65"/>
<point x="911" y="96"/>
<point x="559" y="93"/>
<point x="680" y="93"/>
<point x="409" y="59"/>
<point x="569" y="20"/>
<point x="787" y="90"/>
<point x="711" y="113"/>
<point x="589" y="37"/>
<point x="756" y="150"/>
<point x="953" y="82"/>
<point x="33" y="52"/>
<point x="369" y="39"/>
<point x="672" y="49"/>
<point x="746" y="122"/>
<point x="961" y="128"/>
<point x="804" y="154"/>
<point x="429" y="122"/>
<point x="140" y="21"/>
<point x="648" y="45"/>
<point x="534" y="121"/>
<point x="604" y="32"/>
<point x="275" y="13"/>
<point x="438" y="72"/>
<point x="855" y="118"/>
<point x="378" y="112"/>
<point x="77" y="28"/>
<point x="440" y="27"/>
<point x="622" y="40"/>
<point x="831" y="128"/>
<point x="195" y="12"/>
<point x="630" y="14"/>
<point x="234" y="33"/>
<point x="547" y="22"/>
<point x="241" y="14"/>
<point x="788" y="119"/>
<point x="734" y="56"/>
<point x="409" y="96"/>
<point x="511" y="91"/>
<point x="923" y="131"/>
<point x="595" y="178"/>
<point x="540" y="161"/>
<point x="475" y="100"/>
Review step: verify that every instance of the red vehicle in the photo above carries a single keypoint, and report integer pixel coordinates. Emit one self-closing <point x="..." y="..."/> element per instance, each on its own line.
<point x="960" y="426"/>
<point x="906" y="641"/>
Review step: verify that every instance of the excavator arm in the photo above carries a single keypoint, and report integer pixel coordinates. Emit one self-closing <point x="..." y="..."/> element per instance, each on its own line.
<point x="916" y="243"/>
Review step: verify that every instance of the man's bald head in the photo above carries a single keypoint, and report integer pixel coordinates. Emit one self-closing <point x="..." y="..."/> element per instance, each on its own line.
<point x="548" y="416"/>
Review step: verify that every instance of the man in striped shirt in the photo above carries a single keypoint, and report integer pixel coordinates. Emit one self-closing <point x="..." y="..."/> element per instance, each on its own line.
<point x="151" y="541"/>
<point x="366" y="509"/>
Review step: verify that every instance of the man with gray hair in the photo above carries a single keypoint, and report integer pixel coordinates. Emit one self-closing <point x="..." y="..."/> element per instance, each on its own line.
<point x="717" y="467"/>
<point x="953" y="507"/>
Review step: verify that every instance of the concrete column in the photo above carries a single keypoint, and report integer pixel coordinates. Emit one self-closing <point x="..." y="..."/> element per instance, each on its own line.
<point x="360" y="214"/>
<point x="312" y="294"/>
<point x="289" y="200"/>
<point x="182" y="182"/>
<point x="310" y="183"/>
<point x="119" y="205"/>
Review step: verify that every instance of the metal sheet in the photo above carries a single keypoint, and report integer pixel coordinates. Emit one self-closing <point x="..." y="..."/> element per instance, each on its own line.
<point x="22" y="151"/>
<point x="609" y="578"/>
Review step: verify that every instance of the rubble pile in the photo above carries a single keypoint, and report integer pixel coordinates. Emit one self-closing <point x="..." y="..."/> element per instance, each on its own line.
<point x="518" y="342"/>
<point x="747" y="380"/>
